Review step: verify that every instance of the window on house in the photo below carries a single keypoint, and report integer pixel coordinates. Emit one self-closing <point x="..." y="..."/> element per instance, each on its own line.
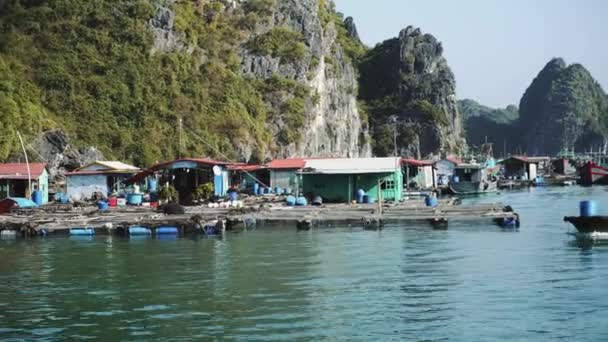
<point x="388" y="185"/>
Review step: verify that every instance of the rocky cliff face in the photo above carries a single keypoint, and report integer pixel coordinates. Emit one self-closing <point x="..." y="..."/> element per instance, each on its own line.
<point x="408" y="85"/>
<point x="564" y="108"/>
<point x="331" y="124"/>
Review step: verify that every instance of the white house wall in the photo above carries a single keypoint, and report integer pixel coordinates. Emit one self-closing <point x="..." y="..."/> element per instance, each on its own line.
<point x="84" y="186"/>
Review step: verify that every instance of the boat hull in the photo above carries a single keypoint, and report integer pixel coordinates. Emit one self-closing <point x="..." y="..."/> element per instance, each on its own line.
<point x="592" y="173"/>
<point x="589" y="224"/>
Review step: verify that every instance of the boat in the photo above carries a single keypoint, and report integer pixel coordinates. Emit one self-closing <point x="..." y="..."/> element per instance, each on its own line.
<point x="589" y="224"/>
<point x="473" y="179"/>
<point x="592" y="173"/>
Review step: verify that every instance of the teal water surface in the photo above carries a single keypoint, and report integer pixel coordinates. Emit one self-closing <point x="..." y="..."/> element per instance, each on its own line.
<point x="473" y="282"/>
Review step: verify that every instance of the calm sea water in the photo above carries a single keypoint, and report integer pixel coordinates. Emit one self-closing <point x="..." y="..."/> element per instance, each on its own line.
<point x="469" y="283"/>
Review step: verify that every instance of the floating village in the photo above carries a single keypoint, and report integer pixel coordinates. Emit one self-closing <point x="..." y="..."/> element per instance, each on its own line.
<point x="211" y="197"/>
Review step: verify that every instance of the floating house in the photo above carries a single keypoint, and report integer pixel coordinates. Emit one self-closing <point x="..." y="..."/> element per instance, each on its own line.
<point x="15" y="180"/>
<point x="186" y="175"/>
<point x="338" y="180"/>
<point x="244" y="176"/>
<point x="444" y="169"/>
<point x="283" y="173"/>
<point x="524" y="168"/>
<point x="419" y="174"/>
<point x="104" y="177"/>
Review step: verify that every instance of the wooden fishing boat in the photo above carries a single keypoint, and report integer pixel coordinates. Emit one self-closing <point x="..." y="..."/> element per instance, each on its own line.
<point x="473" y="179"/>
<point x="592" y="173"/>
<point x="588" y="224"/>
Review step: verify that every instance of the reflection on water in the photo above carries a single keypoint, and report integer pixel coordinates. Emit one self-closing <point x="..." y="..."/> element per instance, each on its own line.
<point x="470" y="282"/>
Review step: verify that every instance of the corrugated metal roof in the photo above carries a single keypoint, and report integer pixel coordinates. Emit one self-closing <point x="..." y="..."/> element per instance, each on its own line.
<point x="19" y="170"/>
<point x="525" y="159"/>
<point x="292" y="164"/>
<point x="416" y="162"/>
<point x="203" y="161"/>
<point x="245" y="167"/>
<point x="352" y="166"/>
<point x="110" y="165"/>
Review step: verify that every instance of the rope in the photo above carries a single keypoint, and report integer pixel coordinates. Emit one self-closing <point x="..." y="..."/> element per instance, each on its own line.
<point x="189" y="130"/>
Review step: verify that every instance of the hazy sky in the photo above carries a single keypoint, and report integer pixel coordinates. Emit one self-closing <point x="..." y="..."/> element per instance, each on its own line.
<point x="495" y="47"/>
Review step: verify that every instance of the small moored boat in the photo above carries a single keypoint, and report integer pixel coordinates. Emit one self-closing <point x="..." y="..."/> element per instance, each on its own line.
<point x="589" y="224"/>
<point x="473" y="179"/>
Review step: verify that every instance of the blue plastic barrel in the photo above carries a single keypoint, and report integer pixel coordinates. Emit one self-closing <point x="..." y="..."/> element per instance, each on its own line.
<point x="291" y="201"/>
<point x="256" y="188"/>
<point x="360" y="194"/>
<point x="301" y="201"/>
<point x="152" y="185"/>
<point x="139" y="231"/>
<point x="37" y="197"/>
<point x="233" y="195"/>
<point x="588" y="208"/>
<point x="167" y="231"/>
<point x="287" y="191"/>
<point x="82" y="231"/>
<point x="102" y="205"/>
<point x="455" y="179"/>
<point x="431" y="201"/>
<point x="278" y="190"/>
<point x="135" y="199"/>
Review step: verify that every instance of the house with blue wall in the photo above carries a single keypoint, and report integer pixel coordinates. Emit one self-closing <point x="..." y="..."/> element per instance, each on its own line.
<point x="186" y="175"/>
<point x="104" y="177"/>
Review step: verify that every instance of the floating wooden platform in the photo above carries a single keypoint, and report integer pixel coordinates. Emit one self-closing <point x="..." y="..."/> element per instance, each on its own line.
<point x="116" y="221"/>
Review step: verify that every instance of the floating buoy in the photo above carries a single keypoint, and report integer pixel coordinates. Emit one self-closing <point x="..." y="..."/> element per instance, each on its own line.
<point x="139" y="231"/>
<point x="82" y="231"/>
<point x="291" y="201"/>
<point x="167" y="231"/>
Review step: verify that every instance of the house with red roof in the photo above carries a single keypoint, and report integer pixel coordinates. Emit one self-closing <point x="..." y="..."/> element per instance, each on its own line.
<point x="103" y="177"/>
<point x="15" y="180"/>
<point x="284" y="173"/>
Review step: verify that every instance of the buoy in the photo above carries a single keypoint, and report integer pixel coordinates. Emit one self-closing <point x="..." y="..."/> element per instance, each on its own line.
<point x="301" y="201"/>
<point x="291" y="201"/>
<point x="139" y="231"/>
<point x="167" y="231"/>
<point x="588" y="208"/>
<point x="318" y="200"/>
<point x="82" y="231"/>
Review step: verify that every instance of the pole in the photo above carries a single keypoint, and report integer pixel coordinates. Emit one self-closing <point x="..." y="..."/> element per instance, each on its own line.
<point x="27" y="163"/>
<point x="395" y="136"/>
<point x="179" y="149"/>
<point x="379" y="198"/>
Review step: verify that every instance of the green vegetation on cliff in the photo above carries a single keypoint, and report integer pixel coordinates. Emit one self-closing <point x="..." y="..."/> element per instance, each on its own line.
<point x="483" y="124"/>
<point x="87" y="66"/>
<point x="564" y="108"/>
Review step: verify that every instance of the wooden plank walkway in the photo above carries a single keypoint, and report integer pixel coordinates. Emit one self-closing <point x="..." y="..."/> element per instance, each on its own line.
<point x="38" y="222"/>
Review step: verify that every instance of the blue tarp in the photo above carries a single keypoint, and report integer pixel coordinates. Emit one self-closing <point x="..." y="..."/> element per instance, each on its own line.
<point x="23" y="202"/>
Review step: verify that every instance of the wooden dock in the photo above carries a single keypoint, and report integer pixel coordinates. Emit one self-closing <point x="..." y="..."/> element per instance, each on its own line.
<point x="39" y="222"/>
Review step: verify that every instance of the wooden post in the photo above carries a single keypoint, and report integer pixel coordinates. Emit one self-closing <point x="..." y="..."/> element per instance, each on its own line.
<point x="379" y="198"/>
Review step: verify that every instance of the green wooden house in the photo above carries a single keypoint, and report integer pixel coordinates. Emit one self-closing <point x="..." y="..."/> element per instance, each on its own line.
<point x="338" y="180"/>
